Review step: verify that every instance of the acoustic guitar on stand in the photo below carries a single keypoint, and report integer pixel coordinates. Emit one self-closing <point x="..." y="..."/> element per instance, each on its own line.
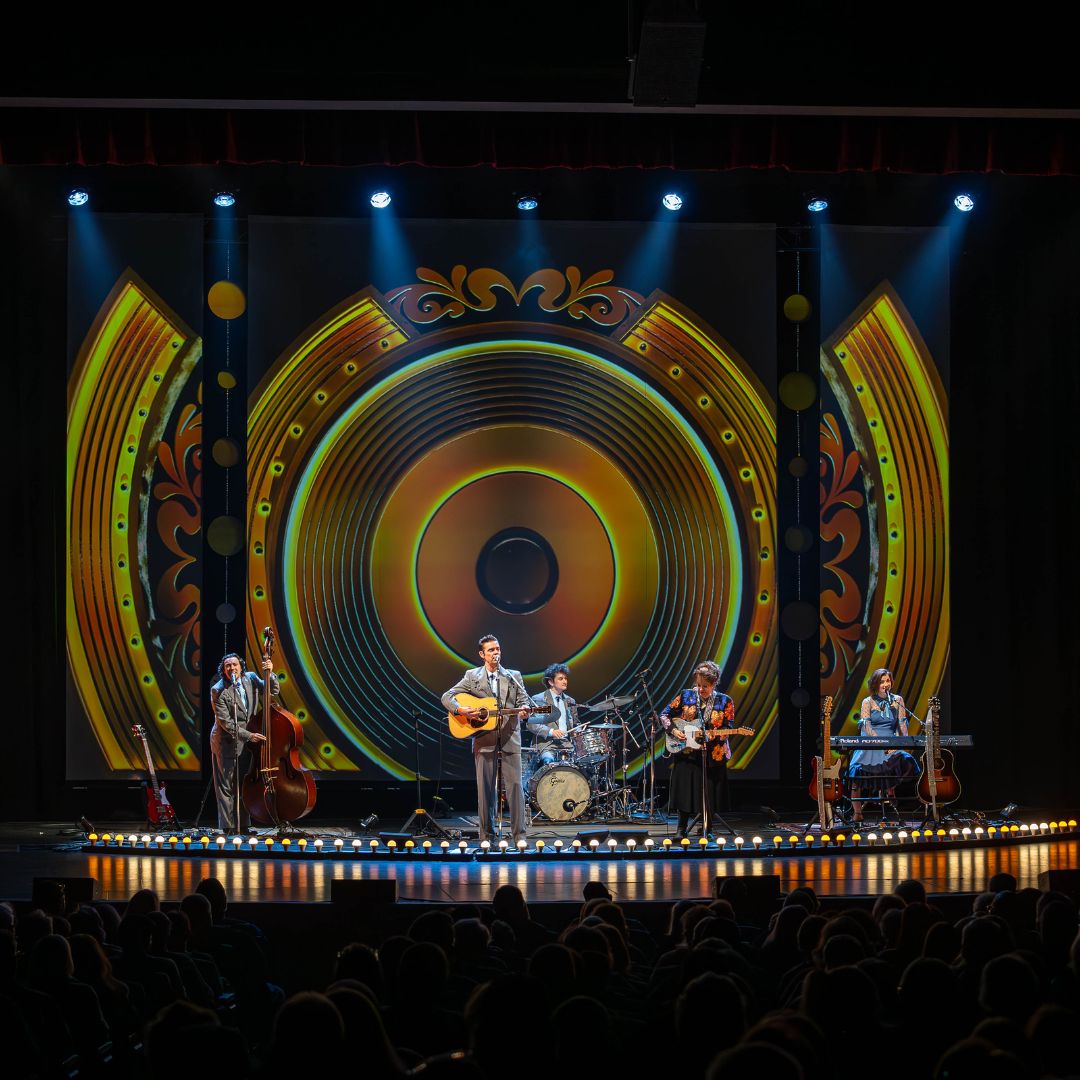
<point x="159" y="811"/>
<point x="490" y="715"/>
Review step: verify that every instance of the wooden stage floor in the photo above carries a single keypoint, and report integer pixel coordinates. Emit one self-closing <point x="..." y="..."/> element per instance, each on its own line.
<point x="50" y="850"/>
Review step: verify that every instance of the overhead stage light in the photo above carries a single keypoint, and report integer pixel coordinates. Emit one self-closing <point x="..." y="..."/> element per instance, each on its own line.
<point x="964" y="202"/>
<point x="527" y="202"/>
<point x="78" y="197"/>
<point x="672" y="201"/>
<point x="815" y="204"/>
<point x="224" y="199"/>
<point x="380" y="200"/>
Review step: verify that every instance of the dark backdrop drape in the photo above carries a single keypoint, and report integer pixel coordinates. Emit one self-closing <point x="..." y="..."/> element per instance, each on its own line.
<point x="509" y="140"/>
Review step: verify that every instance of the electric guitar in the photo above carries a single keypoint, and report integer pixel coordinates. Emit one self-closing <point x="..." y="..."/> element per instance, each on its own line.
<point x="692" y="729"/>
<point x="159" y="811"/>
<point x="938" y="785"/>
<point x="490" y="715"/>
<point x="825" y="785"/>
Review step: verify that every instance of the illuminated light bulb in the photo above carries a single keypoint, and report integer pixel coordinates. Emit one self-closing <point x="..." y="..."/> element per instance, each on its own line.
<point x="612" y="843"/>
<point x="236" y="842"/>
<point x="444" y="845"/>
<point x="409" y="845"/>
<point x="887" y="837"/>
<point x="594" y="843"/>
<point x="355" y="845"/>
<point x="521" y="845"/>
<point x="338" y="843"/>
<point x="539" y="845"/>
<point x="649" y="843"/>
<point x="667" y="841"/>
<point x="808" y="839"/>
<point x="426" y="845"/>
<point x="463" y="847"/>
<point x="777" y="841"/>
<point x="965" y="832"/>
<point x="220" y="841"/>
<point x="1025" y="828"/>
<point x="504" y="844"/>
<point x="373" y="844"/>
<point x="575" y="844"/>
<point x="485" y="845"/>
<point x="187" y="841"/>
<point x="856" y="839"/>
<point x="318" y="845"/>
<point x="871" y="838"/>
<point x="979" y="832"/>
<point x="145" y="838"/>
<point x="392" y="844"/>
<point x="286" y="843"/>
<point x="631" y="843"/>
<point x="302" y="843"/>
<point x="558" y="846"/>
<point x="174" y="840"/>
<point x="703" y="843"/>
<point x="826" y="838"/>
<point x="840" y="838"/>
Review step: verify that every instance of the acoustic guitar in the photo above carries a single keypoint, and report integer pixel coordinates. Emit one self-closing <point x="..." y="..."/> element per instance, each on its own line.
<point x="159" y="811"/>
<point x="490" y="715"/>
<point x="938" y="785"/>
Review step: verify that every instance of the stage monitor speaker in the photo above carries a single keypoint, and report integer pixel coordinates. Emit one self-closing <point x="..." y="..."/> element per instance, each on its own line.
<point x="399" y="838"/>
<point x="762" y="894"/>
<point x="667" y="68"/>
<point x="639" y="836"/>
<point x="77" y="890"/>
<point x="587" y="835"/>
<point x="361" y="891"/>
<point x="1063" y="881"/>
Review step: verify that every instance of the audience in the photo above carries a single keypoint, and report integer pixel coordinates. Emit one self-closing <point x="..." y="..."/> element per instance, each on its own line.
<point x="729" y="990"/>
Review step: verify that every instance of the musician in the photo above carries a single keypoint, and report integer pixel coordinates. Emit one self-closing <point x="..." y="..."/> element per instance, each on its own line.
<point x="491" y="679"/>
<point x="701" y="703"/>
<point x="875" y="769"/>
<point x="564" y="711"/>
<point x="236" y="699"/>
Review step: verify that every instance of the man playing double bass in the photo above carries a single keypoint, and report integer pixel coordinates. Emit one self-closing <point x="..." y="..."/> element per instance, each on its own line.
<point x="235" y="699"/>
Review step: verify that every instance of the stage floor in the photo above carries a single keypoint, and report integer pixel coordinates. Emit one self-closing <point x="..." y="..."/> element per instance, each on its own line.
<point x="49" y="849"/>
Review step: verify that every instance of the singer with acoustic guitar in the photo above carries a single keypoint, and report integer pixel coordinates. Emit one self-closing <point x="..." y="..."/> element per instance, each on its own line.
<point x="873" y="770"/>
<point x="497" y="742"/>
<point x="235" y="701"/>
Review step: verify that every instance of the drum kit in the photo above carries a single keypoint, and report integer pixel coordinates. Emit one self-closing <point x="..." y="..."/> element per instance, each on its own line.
<point x="575" y="777"/>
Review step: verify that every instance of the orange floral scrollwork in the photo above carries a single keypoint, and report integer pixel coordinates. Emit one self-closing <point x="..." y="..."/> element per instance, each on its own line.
<point x="841" y="627"/>
<point x="436" y="297"/>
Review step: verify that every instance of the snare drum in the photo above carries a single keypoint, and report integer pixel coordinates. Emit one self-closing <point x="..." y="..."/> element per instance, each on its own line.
<point x="590" y="746"/>
<point x="560" y="791"/>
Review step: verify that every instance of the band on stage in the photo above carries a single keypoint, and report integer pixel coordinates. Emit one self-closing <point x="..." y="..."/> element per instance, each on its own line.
<point x="567" y="768"/>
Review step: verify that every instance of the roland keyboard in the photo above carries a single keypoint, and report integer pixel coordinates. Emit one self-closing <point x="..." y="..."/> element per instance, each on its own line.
<point x="898" y="742"/>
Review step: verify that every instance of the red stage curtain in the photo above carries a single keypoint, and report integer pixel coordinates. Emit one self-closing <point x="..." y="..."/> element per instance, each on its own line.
<point x="538" y="140"/>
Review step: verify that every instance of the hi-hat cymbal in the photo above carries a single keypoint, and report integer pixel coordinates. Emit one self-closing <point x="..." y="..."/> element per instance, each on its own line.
<point x="605" y="727"/>
<point x="610" y="703"/>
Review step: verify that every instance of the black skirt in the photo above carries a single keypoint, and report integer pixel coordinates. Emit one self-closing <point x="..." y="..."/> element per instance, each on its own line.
<point x="684" y="785"/>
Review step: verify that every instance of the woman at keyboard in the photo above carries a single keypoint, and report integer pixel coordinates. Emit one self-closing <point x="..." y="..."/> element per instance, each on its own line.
<point x="875" y="770"/>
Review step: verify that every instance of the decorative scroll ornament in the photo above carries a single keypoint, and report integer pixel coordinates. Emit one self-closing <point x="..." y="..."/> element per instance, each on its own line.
<point x="435" y="297"/>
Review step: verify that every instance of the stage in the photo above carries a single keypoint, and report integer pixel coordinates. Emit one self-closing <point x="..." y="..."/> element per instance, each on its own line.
<point x="635" y="866"/>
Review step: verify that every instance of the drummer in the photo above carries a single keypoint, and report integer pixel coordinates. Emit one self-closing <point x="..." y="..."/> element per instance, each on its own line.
<point x="564" y="710"/>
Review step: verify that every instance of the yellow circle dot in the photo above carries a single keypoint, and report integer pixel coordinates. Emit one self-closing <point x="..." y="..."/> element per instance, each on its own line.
<point x="226" y="300"/>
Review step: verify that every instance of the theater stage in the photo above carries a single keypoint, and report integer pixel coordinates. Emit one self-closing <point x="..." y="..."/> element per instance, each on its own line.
<point x="858" y="865"/>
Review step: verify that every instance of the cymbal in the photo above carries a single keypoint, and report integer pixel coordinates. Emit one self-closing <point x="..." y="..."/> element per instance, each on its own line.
<point x="605" y="727"/>
<point x="610" y="703"/>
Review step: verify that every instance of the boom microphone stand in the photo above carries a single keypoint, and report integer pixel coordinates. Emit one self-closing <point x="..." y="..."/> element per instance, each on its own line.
<point x="649" y="775"/>
<point x="420" y="822"/>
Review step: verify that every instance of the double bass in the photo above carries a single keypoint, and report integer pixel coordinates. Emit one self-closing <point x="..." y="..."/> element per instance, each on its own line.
<point x="278" y="789"/>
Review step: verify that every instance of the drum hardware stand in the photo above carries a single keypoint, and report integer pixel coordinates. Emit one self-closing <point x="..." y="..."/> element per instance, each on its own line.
<point x="420" y="822"/>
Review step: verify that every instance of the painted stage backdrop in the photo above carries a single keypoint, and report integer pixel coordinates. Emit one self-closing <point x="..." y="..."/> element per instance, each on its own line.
<point x="563" y="434"/>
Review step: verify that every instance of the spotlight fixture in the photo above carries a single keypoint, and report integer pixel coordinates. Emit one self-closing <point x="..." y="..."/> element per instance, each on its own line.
<point x="816" y="203"/>
<point x="1008" y="810"/>
<point x="224" y="199"/>
<point x="527" y="202"/>
<point x="369" y="823"/>
<point x="964" y="202"/>
<point x="380" y="200"/>
<point x="78" y="197"/>
<point x="672" y="201"/>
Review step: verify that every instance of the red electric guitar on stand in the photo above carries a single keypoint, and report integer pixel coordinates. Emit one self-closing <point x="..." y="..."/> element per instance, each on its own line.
<point x="159" y="811"/>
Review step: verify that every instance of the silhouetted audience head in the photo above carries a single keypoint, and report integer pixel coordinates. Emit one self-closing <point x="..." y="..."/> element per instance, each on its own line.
<point x="911" y="891"/>
<point x="214" y="891"/>
<point x="435" y="927"/>
<point x="142" y="903"/>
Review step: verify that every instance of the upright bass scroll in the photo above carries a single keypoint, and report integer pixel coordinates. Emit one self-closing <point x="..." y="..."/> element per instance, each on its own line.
<point x="278" y="789"/>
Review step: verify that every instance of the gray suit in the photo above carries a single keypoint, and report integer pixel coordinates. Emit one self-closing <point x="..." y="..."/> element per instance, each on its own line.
<point x="229" y="740"/>
<point x="510" y="694"/>
<point x="543" y="731"/>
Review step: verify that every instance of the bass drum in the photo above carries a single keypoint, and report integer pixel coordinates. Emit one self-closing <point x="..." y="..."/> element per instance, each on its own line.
<point x="560" y="792"/>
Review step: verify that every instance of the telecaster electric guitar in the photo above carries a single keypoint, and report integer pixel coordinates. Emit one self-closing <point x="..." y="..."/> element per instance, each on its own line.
<point x="159" y="811"/>
<point x="692" y="730"/>
<point x="490" y="715"/>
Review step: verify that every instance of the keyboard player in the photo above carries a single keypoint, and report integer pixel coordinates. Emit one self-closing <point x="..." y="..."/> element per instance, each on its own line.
<point x="873" y="771"/>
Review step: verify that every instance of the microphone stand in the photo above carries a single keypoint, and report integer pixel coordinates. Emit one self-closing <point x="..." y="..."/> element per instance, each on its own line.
<point x="649" y="776"/>
<point x="420" y="822"/>
<point x="236" y="757"/>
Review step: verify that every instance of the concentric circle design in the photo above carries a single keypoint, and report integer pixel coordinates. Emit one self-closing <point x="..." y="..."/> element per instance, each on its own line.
<point x="413" y="495"/>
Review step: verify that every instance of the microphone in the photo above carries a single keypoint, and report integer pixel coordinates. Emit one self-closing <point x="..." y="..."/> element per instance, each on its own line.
<point x="235" y="679"/>
<point x="569" y="805"/>
<point x="641" y="674"/>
